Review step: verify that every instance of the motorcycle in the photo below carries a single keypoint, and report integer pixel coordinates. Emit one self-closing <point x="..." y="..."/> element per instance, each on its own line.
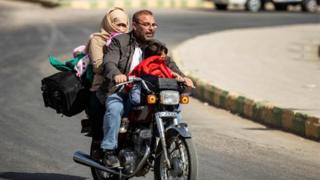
<point x="154" y="138"/>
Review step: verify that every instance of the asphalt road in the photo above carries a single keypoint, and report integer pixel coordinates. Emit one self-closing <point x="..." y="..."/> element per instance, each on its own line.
<point x="36" y="143"/>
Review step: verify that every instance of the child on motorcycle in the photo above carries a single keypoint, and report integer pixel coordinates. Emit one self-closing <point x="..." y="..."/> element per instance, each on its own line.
<point x="154" y="64"/>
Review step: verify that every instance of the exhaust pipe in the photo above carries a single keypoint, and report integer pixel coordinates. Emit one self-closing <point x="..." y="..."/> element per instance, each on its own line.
<point x="84" y="159"/>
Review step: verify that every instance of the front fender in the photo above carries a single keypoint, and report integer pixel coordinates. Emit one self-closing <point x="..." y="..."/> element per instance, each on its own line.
<point x="181" y="129"/>
<point x="174" y="130"/>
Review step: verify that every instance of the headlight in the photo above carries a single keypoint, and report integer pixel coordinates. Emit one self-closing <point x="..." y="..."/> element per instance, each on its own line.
<point x="169" y="97"/>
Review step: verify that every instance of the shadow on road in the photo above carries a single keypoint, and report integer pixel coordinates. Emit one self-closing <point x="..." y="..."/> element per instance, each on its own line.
<point x="260" y="129"/>
<point x="37" y="176"/>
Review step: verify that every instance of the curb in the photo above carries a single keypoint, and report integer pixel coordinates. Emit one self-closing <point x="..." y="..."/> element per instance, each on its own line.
<point x="102" y="4"/>
<point x="259" y="111"/>
<point x="88" y="4"/>
<point x="45" y="3"/>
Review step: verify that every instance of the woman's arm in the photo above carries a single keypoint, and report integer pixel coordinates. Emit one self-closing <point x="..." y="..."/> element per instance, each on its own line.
<point x="95" y="52"/>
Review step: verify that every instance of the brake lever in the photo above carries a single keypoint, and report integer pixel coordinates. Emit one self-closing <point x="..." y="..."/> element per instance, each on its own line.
<point x="122" y="84"/>
<point x="119" y="87"/>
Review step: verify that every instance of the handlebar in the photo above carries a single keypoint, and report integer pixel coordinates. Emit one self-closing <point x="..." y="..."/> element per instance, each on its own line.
<point x="133" y="79"/>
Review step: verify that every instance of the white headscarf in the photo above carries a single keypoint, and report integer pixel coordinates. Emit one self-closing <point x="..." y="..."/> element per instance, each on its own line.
<point x="110" y="21"/>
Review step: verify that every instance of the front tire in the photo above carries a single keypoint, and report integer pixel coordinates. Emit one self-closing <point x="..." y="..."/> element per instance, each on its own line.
<point x="183" y="159"/>
<point x="309" y="6"/>
<point x="254" y="5"/>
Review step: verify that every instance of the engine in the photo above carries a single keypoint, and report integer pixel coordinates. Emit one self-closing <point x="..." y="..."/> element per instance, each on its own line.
<point x="141" y="138"/>
<point x="128" y="160"/>
<point x="130" y="157"/>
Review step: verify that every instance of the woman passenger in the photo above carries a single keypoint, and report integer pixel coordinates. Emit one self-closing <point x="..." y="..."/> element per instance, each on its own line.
<point x="114" y="22"/>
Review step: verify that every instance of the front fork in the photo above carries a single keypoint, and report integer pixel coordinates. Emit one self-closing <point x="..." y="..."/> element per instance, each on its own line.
<point x="161" y="130"/>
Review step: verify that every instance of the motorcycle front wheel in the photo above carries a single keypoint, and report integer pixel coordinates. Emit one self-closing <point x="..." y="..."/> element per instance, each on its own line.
<point x="182" y="157"/>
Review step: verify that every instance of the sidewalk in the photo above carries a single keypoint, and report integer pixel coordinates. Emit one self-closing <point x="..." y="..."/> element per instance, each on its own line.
<point x="270" y="75"/>
<point x="94" y="4"/>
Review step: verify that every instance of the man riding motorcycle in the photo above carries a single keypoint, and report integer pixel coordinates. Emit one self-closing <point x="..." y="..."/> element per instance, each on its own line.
<point x="122" y="55"/>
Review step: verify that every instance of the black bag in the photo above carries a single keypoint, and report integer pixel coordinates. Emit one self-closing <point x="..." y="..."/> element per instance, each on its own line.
<point x="65" y="93"/>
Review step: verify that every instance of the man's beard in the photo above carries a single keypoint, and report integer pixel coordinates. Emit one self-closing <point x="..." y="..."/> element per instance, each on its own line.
<point x="143" y="38"/>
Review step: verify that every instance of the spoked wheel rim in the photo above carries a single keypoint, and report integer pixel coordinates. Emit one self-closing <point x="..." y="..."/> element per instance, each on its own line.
<point x="254" y="5"/>
<point x="101" y="175"/>
<point x="179" y="160"/>
<point x="311" y="5"/>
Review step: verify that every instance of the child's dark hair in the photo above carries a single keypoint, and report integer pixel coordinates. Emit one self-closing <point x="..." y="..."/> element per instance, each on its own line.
<point x="154" y="48"/>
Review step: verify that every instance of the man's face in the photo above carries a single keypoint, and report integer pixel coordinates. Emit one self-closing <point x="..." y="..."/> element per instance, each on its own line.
<point x="144" y="28"/>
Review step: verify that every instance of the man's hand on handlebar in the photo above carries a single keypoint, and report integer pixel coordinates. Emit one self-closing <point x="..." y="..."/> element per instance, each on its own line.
<point x="177" y="77"/>
<point x="120" y="78"/>
<point x="187" y="81"/>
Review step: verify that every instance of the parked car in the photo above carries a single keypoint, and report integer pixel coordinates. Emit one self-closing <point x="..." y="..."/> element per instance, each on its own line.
<point x="257" y="5"/>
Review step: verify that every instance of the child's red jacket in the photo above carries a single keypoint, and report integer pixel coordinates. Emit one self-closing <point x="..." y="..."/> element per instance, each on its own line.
<point x="154" y="65"/>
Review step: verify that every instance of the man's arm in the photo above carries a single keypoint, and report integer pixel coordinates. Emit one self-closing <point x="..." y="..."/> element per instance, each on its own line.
<point x="111" y="62"/>
<point x="181" y="77"/>
<point x="173" y="66"/>
<point x="111" y="59"/>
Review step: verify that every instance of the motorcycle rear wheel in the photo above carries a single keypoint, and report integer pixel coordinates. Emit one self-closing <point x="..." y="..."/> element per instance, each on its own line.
<point x="98" y="174"/>
<point x="182" y="157"/>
